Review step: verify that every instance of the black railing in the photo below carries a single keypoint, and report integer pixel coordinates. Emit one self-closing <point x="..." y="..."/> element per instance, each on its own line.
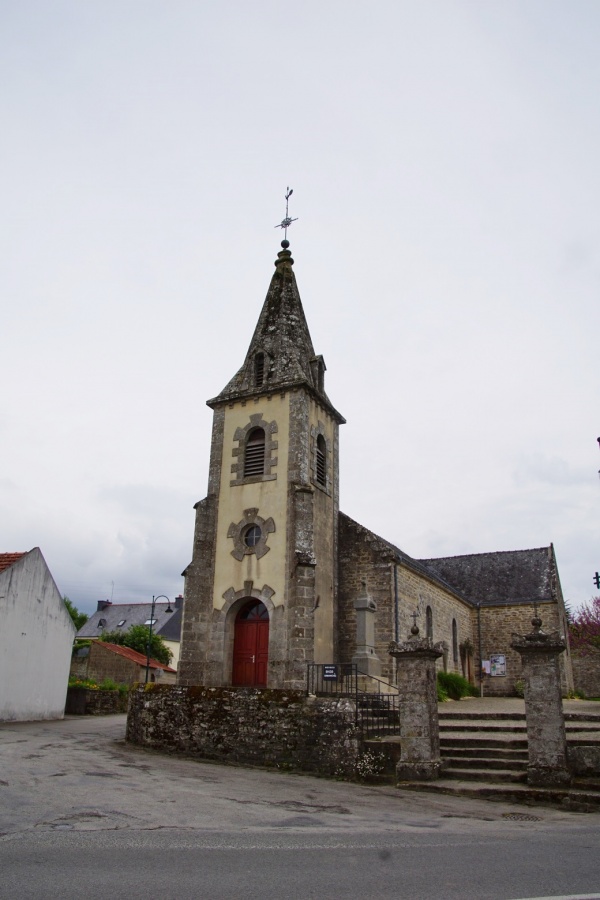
<point x="376" y="713"/>
<point x="340" y="679"/>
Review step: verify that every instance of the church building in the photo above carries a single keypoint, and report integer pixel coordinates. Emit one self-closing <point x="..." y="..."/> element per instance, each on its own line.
<point x="280" y="578"/>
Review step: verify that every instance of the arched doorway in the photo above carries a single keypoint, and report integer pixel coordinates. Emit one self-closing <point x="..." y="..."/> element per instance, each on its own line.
<point x="251" y="645"/>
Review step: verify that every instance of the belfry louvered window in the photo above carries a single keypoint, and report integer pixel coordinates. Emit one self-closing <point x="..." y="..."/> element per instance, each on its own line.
<point x="254" y="456"/>
<point x="259" y="369"/>
<point x="321" y="461"/>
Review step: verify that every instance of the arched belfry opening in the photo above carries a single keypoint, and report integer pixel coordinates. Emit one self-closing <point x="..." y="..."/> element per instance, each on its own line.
<point x="251" y="645"/>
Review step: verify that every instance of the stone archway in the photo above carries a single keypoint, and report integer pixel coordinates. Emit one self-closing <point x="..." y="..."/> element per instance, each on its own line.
<point x="235" y="603"/>
<point x="251" y="645"/>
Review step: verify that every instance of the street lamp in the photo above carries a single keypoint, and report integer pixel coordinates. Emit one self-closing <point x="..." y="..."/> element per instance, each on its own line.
<point x="168" y="610"/>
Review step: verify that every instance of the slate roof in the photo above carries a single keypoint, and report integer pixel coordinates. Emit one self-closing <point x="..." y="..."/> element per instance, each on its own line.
<point x="134" y="656"/>
<point x="133" y="614"/>
<point x="282" y="334"/>
<point x="401" y="557"/>
<point x="9" y="559"/>
<point x="502" y="578"/>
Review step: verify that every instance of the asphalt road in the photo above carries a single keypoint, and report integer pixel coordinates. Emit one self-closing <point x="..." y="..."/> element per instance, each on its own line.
<point x="83" y="815"/>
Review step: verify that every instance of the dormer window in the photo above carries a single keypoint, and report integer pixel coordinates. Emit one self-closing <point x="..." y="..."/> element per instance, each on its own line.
<point x="254" y="456"/>
<point x="259" y="369"/>
<point x="321" y="461"/>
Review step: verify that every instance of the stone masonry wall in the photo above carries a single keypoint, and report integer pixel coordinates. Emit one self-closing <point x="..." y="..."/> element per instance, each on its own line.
<point x="84" y="702"/>
<point x="416" y="592"/>
<point x="497" y="626"/>
<point x="586" y="672"/>
<point x="283" y="729"/>
<point x="364" y="557"/>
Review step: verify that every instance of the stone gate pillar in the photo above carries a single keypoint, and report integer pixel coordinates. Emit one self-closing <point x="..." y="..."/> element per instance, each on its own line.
<point x="543" y="705"/>
<point x="417" y="695"/>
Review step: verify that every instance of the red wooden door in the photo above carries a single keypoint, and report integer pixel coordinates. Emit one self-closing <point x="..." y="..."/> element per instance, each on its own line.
<point x="251" y="645"/>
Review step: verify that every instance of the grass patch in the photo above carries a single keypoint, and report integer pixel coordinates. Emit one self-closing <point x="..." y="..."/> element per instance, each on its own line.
<point x="455" y="686"/>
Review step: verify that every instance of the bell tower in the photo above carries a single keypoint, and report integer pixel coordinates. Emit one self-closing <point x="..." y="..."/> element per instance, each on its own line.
<point x="261" y="589"/>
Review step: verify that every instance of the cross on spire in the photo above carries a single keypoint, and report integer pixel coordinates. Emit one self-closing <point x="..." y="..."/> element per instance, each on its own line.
<point x="285" y="223"/>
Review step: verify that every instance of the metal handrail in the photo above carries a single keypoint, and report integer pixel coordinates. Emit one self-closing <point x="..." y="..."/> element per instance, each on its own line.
<point x="376" y="713"/>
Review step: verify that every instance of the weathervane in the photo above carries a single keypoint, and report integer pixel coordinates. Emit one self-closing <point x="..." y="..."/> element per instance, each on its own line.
<point x="285" y="223"/>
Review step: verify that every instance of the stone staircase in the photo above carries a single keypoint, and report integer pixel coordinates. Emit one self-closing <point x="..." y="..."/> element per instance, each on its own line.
<point x="484" y="754"/>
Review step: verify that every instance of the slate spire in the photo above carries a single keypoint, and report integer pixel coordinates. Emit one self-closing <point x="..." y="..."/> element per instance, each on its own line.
<point x="281" y="353"/>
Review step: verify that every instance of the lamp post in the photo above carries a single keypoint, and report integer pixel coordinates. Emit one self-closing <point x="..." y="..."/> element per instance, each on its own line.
<point x="168" y="610"/>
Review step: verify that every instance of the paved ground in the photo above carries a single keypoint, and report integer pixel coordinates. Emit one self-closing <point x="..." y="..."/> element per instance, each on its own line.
<point x="82" y="813"/>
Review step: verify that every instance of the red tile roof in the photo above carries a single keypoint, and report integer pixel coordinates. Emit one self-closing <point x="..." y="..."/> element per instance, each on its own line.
<point x="8" y="559"/>
<point x="134" y="656"/>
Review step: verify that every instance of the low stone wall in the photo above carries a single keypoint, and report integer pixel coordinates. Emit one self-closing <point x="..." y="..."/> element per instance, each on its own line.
<point x="586" y="672"/>
<point x="283" y="729"/>
<point x="85" y="702"/>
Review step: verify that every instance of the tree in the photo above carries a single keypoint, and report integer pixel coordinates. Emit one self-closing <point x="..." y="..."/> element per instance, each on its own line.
<point x="584" y="628"/>
<point x="136" y="638"/>
<point x="79" y="618"/>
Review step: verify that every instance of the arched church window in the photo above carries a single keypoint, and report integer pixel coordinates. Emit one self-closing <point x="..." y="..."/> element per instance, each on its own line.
<point x="321" y="461"/>
<point x="253" y="611"/>
<point x="254" y="456"/>
<point x="454" y="641"/>
<point x="429" y="622"/>
<point x="259" y="369"/>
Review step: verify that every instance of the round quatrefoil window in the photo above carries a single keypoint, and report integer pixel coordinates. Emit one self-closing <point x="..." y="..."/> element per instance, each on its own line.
<point x="250" y="535"/>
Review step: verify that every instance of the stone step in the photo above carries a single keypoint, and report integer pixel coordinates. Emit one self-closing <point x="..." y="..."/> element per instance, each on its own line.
<point x="485" y="753"/>
<point x="494" y="776"/>
<point x="514" y="742"/>
<point x="497" y="726"/>
<point x="485" y="763"/>
<point x="576" y="798"/>
<point x="488" y="716"/>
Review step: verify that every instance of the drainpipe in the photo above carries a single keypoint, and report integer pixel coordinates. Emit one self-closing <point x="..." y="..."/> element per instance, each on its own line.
<point x="480" y="654"/>
<point x="396" y="616"/>
<point x="396" y="612"/>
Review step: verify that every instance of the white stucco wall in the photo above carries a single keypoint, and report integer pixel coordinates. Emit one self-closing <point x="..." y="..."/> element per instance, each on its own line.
<point x="36" y="636"/>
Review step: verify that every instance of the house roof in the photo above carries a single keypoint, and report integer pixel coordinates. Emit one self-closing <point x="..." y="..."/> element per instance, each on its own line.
<point x="129" y="614"/>
<point x="8" y="559"/>
<point x="501" y="578"/>
<point x="134" y="656"/>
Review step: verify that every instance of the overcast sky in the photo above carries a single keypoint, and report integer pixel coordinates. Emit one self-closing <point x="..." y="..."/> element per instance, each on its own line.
<point x="444" y="156"/>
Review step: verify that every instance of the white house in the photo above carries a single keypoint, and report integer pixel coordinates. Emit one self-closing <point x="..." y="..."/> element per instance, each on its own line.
<point x="36" y="639"/>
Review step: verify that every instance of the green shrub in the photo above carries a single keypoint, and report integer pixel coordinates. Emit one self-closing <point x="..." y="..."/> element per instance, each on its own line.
<point x="109" y="684"/>
<point x="520" y="688"/>
<point x="442" y="693"/>
<point x="76" y="682"/>
<point x="455" y="685"/>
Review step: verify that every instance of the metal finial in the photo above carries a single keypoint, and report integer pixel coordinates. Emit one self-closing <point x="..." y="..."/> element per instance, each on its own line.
<point x="285" y="223"/>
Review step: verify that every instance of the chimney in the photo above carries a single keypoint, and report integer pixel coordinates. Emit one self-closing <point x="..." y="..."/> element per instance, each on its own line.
<point x="179" y="601"/>
<point x="102" y="604"/>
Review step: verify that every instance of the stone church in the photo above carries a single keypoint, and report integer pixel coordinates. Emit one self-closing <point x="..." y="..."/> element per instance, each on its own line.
<point x="280" y="578"/>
